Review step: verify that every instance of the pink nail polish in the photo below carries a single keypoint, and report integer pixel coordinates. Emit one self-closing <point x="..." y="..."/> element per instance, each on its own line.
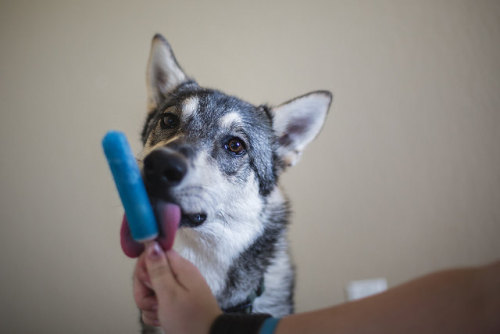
<point x="154" y="251"/>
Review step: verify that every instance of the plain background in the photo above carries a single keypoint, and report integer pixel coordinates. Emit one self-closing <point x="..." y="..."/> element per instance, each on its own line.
<point x="403" y="180"/>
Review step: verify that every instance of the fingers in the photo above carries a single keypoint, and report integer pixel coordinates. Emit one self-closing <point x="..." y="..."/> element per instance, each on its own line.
<point x="144" y="296"/>
<point x="142" y="273"/>
<point x="145" y="299"/>
<point x="185" y="302"/>
<point x="185" y="272"/>
<point x="150" y="318"/>
<point x="159" y="271"/>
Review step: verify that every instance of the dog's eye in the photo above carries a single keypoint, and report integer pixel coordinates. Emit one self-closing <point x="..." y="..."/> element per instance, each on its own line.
<point x="169" y="121"/>
<point x="235" y="146"/>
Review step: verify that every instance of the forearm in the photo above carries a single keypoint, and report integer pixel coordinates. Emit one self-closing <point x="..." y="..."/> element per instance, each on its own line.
<point x="454" y="301"/>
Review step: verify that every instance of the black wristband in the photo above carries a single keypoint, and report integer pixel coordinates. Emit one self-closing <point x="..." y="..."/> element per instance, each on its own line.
<point x="238" y="323"/>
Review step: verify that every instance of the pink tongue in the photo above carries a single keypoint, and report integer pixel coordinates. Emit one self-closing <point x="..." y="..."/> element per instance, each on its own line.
<point x="169" y="219"/>
<point x="168" y="216"/>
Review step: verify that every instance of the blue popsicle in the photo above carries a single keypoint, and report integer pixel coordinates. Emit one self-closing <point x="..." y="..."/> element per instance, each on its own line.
<point x="129" y="183"/>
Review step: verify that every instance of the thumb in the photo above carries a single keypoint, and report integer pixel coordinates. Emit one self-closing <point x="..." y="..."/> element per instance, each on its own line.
<point x="159" y="271"/>
<point x="186" y="274"/>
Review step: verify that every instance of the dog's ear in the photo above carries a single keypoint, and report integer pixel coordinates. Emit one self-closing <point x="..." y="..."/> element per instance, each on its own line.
<point x="297" y="122"/>
<point x="163" y="72"/>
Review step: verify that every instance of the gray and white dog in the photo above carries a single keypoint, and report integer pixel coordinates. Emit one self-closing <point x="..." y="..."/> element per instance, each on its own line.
<point x="219" y="159"/>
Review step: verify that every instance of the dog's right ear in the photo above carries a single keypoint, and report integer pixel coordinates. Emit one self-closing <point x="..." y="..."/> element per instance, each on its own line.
<point x="163" y="72"/>
<point x="297" y="122"/>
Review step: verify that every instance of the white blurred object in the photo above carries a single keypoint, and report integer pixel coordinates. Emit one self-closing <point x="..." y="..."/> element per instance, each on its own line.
<point x="364" y="288"/>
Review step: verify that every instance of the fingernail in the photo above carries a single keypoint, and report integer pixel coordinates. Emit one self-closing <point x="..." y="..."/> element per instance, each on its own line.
<point x="154" y="251"/>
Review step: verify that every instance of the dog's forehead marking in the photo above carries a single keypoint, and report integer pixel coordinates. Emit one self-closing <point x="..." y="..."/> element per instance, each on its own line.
<point x="229" y="119"/>
<point x="189" y="107"/>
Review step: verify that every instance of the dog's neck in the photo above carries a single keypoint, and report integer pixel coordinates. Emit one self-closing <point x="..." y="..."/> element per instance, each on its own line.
<point x="247" y="305"/>
<point x="221" y="259"/>
<point x="213" y="255"/>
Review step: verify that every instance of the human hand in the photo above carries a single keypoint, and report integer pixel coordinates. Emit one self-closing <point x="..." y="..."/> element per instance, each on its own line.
<point x="171" y="293"/>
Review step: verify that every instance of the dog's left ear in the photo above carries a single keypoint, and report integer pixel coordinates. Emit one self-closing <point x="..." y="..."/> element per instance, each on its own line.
<point x="163" y="72"/>
<point x="297" y="122"/>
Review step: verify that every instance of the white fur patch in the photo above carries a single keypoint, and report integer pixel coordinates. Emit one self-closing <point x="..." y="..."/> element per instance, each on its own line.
<point x="189" y="107"/>
<point x="277" y="280"/>
<point x="229" y="119"/>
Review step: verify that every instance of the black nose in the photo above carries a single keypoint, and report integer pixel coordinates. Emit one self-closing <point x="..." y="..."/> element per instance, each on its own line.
<point x="164" y="168"/>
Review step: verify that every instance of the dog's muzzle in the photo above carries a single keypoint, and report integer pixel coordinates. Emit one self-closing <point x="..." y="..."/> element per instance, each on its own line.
<point x="163" y="169"/>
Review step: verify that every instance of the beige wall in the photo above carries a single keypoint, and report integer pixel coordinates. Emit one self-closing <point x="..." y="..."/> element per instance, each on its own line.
<point x="404" y="179"/>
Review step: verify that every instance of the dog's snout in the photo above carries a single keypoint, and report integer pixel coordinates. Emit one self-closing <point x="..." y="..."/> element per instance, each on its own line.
<point x="163" y="169"/>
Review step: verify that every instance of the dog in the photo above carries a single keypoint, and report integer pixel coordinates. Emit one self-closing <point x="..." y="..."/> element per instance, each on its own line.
<point x="219" y="158"/>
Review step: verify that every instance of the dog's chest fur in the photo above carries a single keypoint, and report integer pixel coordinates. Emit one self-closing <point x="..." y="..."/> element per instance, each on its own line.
<point x="234" y="259"/>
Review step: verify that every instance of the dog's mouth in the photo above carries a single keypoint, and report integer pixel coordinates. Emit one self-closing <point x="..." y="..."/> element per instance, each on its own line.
<point x="187" y="218"/>
<point x="169" y="217"/>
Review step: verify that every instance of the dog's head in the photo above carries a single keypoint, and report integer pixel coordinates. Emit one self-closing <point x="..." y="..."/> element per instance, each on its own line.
<point x="216" y="156"/>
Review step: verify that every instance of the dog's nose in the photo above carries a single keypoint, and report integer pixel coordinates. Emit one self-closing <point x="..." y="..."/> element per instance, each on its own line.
<point x="164" y="168"/>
